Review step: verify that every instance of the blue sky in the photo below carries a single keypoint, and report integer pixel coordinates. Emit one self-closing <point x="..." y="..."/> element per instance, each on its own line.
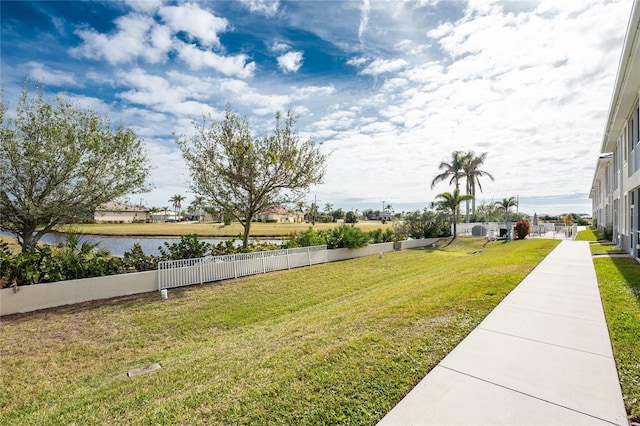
<point x="390" y="88"/>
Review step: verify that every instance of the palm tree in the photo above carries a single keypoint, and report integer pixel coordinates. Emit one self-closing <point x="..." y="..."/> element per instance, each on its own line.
<point x="176" y="202"/>
<point x="472" y="174"/>
<point x="313" y="212"/>
<point x="451" y="201"/>
<point x="197" y="206"/>
<point x="452" y="171"/>
<point x="328" y="208"/>
<point x="505" y="205"/>
<point x="154" y="210"/>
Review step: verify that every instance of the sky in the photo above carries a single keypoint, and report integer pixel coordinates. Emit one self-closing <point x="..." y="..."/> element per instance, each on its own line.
<point x="387" y="88"/>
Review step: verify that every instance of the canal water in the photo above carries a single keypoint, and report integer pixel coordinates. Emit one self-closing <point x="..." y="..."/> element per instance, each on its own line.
<point x="117" y="245"/>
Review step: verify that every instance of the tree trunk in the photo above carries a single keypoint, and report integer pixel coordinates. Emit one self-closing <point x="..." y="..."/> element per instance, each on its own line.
<point x="473" y="200"/>
<point x="29" y="237"/>
<point x="506" y="221"/>
<point x="455" y="230"/>
<point x="467" y="218"/>
<point x="245" y="237"/>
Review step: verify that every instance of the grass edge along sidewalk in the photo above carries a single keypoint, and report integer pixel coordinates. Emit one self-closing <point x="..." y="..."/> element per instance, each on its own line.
<point x="333" y="343"/>
<point x="619" y="284"/>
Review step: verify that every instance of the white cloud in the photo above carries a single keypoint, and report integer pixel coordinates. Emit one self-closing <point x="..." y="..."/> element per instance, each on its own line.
<point x="307" y="92"/>
<point x="290" y="62"/>
<point x="268" y="8"/>
<point x="194" y="21"/>
<point x="163" y="95"/>
<point x="59" y="24"/>
<point x="365" y="10"/>
<point x="136" y="36"/>
<point x="382" y="66"/>
<point x="148" y="6"/>
<point x="43" y="74"/>
<point x="410" y="48"/>
<point x="357" y="62"/>
<point x="90" y="103"/>
<point x="259" y="103"/>
<point x="277" y="46"/>
<point x="228" y="65"/>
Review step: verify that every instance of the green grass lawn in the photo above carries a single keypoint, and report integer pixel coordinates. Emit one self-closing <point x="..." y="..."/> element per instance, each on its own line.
<point x="587" y="235"/>
<point x="619" y="281"/>
<point x="598" y="248"/>
<point x="336" y="343"/>
<point x="605" y="248"/>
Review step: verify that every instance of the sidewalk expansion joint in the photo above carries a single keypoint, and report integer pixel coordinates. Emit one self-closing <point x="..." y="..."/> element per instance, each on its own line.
<point x="567" y="292"/>
<point x="532" y="290"/>
<point x="545" y="343"/>
<point x="527" y="394"/>
<point x="554" y="314"/>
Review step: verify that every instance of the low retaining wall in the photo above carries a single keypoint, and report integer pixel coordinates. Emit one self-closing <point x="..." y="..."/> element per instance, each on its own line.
<point x="345" y="253"/>
<point x="41" y="296"/>
<point x="411" y="244"/>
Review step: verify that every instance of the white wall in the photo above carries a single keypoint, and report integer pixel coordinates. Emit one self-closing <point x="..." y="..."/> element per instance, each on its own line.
<point x="411" y="244"/>
<point x="40" y="296"/>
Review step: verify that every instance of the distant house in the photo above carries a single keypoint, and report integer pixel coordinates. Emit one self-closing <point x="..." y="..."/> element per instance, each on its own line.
<point x="201" y="216"/>
<point x="280" y="214"/>
<point x="114" y="212"/>
<point x="386" y="214"/>
<point x="165" y="216"/>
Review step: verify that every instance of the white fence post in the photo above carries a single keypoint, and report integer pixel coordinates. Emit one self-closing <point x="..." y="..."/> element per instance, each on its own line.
<point x="235" y="269"/>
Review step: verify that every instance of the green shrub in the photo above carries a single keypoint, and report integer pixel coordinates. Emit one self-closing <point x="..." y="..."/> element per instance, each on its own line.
<point x="351" y="217"/>
<point x="136" y="260"/>
<point x="187" y="248"/>
<point x="308" y="238"/>
<point x="378" y="236"/>
<point x="347" y="236"/>
<point x="43" y="264"/>
<point x="607" y="233"/>
<point x="423" y="224"/>
<point x="79" y="259"/>
<point x="32" y="267"/>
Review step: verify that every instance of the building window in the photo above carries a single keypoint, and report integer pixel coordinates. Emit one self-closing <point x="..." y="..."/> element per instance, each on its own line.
<point x="634" y="139"/>
<point x="625" y="226"/>
<point x="623" y="145"/>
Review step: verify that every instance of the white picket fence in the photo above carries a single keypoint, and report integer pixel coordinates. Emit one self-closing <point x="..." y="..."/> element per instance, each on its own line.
<point x="178" y="273"/>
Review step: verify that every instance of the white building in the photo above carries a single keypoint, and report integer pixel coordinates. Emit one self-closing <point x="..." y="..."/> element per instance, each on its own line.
<point x="615" y="192"/>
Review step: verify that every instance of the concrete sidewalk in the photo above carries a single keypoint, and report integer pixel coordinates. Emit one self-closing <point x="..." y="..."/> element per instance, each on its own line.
<point x="542" y="356"/>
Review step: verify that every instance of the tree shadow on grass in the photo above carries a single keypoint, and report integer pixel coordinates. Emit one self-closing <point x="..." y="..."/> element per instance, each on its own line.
<point x="630" y="270"/>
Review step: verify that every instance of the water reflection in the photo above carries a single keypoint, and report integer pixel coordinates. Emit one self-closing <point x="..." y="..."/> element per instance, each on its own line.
<point x="117" y="245"/>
